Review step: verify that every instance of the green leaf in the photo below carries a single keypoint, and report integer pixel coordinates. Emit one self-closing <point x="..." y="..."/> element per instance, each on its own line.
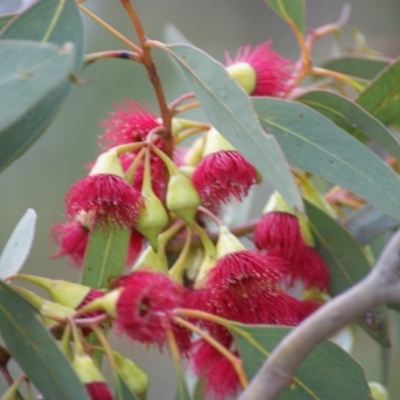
<point x="315" y="144"/>
<point x="358" y="66"/>
<point x="352" y="118"/>
<point x="347" y="264"/>
<point x="105" y="255"/>
<point x="328" y="372"/>
<point x="229" y="110"/>
<point x="381" y="97"/>
<point x="30" y="71"/>
<point x="368" y="223"/>
<point x="182" y="391"/>
<point x="35" y="350"/>
<point x="18" y="245"/>
<point x="292" y="11"/>
<point x="171" y="34"/>
<point x="4" y="19"/>
<point x="55" y="21"/>
<point x="124" y="393"/>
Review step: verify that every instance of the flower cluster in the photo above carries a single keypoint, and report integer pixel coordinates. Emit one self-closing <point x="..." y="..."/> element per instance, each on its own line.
<point x="143" y="183"/>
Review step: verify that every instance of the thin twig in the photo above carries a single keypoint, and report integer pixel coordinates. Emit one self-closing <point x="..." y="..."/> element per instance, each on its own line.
<point x="110" y="29"/>
<point x="381" y="286"/>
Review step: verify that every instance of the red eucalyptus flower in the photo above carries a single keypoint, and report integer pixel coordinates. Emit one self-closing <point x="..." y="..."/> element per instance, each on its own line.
<point x="279" y="233"/>
<point x="144" y="308"/>
<point x="129" y="123"/>
<point x="222" y="175"/>
<point x="109" y="197"/>
<point x="261" y="71"/>
<point x="71" y="238"/>
<point x="98" y="391"/>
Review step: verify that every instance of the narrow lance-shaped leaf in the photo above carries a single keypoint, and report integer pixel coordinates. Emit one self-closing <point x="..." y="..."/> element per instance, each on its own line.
<point x="347" y="264"/>
<point x="352" y="118"/>
<point x="328" y="372"/>
<point x="292" y="11"/>
<point x="55" y="21"/>
<point x="229" y="110"/>
<point x="315" y="144"/>
<point x="29" y="72"/>
<point x="35" y="350"/>
<point x="105" y="255"/>
<point x="369" y="222"/>
<point x="381" y="97"/>
<point x="358" y="66"/>
<point x="18" y="245"/>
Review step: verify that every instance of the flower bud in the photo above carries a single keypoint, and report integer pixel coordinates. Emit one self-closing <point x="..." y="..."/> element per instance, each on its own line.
<point x="66" y="293"/>
<point x="107" y="163"/>
<point x="194" y="261"/>
<point x="378" y="391"/>
<point x="195" y="153"/>
<point x="134" y="377"/>
<point x="152" y="219"/>
<point x="91" y="377"/>
<point x="244" y="74"/>
<point x="182" y="198"/>
<point x="151" y="260"/>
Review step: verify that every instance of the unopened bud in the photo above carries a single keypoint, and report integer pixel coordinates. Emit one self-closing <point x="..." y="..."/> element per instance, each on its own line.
<point x="152" y="218"/>
<point x="135" y="378"/>
<point x="378" y="391"/>
<point x="195" y="153"/>
<point x="151" y="260"/>
<point x="86" y="369"/>
<point x="182" y="198"/>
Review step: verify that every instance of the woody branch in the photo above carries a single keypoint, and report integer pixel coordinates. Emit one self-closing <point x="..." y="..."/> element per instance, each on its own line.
<point x="381" y="286"/>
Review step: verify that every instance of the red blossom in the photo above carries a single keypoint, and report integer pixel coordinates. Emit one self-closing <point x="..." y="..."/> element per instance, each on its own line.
<point x="71" y="238"/>
<point x="222" y="175"/>
<point x="129" y="123"/>
<point x="273" y="73"/>
<point x="144" y="308"/>
<point x="108" y="197"/>
<point x="98" y="391"/>
<point x="279" y="234"/>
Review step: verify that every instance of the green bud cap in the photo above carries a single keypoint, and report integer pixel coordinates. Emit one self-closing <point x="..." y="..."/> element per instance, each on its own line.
<point x="378" y="391"/>
<point x="312" y="195"/>
<point x="154" y="261"/>
<point x="195" y="153"/>
<point x="215" y="143"/>
<point x="194" y="261"/>
<point x="187" y="171"/>
<point x="134" y="377"/>
<point x="108" y="163"/>
<point x="50" y="309"/>
<point x="277" y="203"/>
<point x="182" y="198"/>
<point x="227" y="243"/>
<point x="86" y="370"/>
<point x="152" y="218"/>
<point x="66" y="293"/>
<point x="244" y="74"/>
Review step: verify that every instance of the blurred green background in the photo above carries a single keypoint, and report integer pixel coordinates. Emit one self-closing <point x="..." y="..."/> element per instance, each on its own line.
<point x="41" y="177"/>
